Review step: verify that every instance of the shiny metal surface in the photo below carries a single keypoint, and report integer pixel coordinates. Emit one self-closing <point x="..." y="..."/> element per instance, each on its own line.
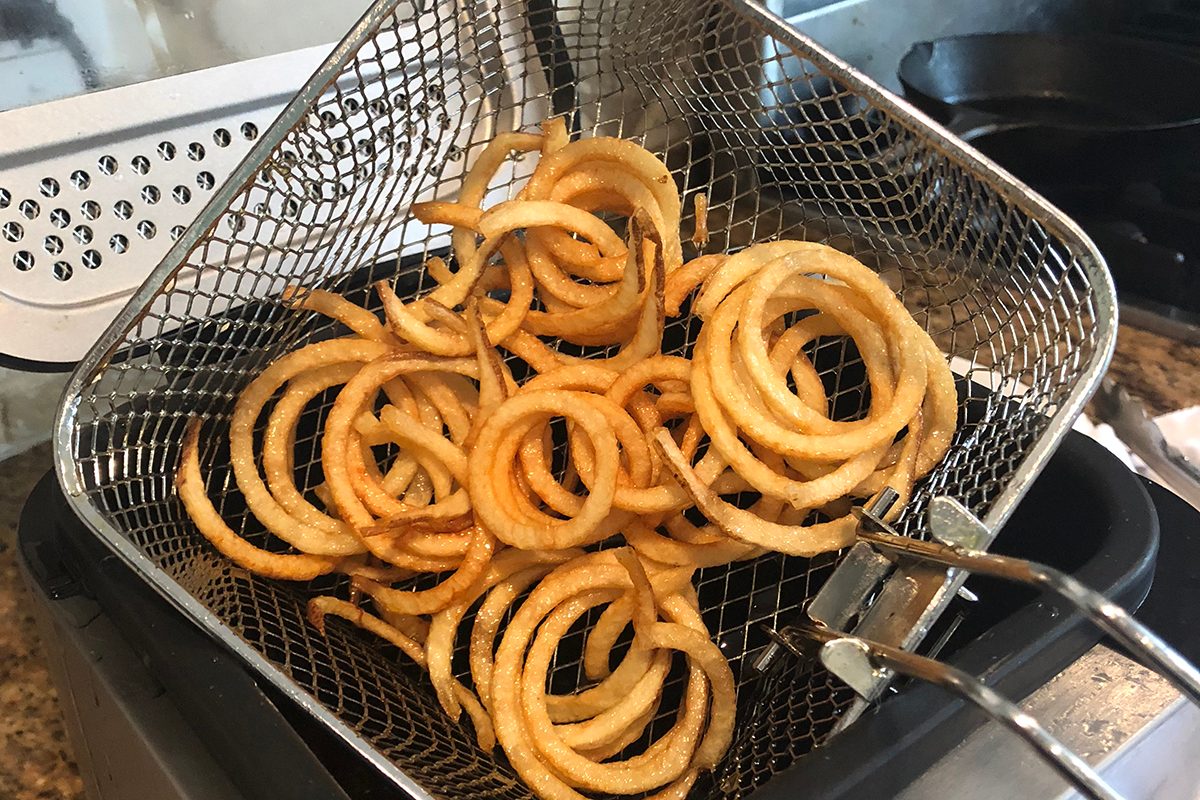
<point x="53" y="49"/>
<point x="847" y="591"/>
<point x="860" y="660"/>
<point x="397" y="113"/>
<point x="1127" y="722"/>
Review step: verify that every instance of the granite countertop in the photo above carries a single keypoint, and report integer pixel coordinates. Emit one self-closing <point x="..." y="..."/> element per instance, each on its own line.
<point x="35" y="756"/>
<point x="1164" y="373"/>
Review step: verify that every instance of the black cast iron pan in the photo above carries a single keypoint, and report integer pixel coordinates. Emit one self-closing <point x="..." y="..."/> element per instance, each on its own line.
<point x="1052" y="108"/>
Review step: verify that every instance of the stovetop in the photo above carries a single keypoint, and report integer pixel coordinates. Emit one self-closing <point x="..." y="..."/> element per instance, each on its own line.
<point x="1149" y="230"/>
<point x="1149" y="233"/>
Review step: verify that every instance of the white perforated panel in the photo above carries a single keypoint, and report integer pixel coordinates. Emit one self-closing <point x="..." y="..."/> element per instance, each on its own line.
<point x="94" y="189"/>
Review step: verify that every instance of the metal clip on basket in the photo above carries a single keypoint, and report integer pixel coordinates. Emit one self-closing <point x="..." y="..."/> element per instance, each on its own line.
<point x="862" y="663"/>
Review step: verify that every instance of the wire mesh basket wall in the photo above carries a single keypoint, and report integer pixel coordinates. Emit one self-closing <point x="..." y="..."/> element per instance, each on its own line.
<point x="785" y="142"/>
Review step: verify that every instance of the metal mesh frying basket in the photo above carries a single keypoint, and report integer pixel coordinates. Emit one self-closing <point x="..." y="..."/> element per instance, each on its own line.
<point x="785" y="140"/>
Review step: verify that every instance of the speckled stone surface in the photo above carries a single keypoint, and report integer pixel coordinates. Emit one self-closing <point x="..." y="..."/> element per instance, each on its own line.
<point x="35" y="757"/>
<point x="1164" y="373"/>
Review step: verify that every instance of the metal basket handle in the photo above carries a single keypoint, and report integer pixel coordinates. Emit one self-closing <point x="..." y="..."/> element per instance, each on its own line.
<point x="953" y="526"/>
<point x="858" y="662"/>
